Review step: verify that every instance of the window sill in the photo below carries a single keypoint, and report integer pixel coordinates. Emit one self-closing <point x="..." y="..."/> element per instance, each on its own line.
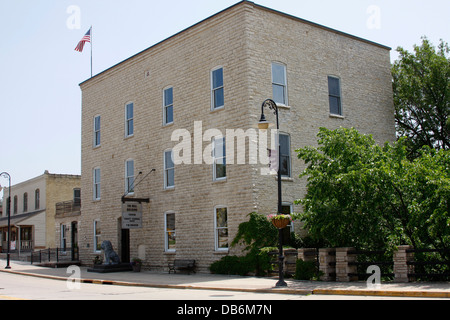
<point x="222" y="252"/>
<point x="282" y="106"/>
<point x="336" y="116"/>
<point x="223" y="180"/>
<point x="217" y="109"/>
<point x="169" y="188"/>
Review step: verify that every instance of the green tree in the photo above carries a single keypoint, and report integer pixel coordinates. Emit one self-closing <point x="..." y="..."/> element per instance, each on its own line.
<point x="371" y="197"/>
<point x="422" y="96"/>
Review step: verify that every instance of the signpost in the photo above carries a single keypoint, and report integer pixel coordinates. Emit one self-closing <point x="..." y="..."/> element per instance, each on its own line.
<point x="132" y="215"/>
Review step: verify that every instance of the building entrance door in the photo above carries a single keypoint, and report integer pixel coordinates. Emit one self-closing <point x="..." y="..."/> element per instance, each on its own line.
<point x="125" y="246"/>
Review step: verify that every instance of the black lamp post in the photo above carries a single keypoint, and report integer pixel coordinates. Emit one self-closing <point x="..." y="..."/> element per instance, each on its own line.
<point x="6" y="175"/>
<point x="263" y="125"/>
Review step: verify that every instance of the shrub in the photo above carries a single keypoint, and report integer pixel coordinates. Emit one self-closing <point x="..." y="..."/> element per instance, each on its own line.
<point x="306" y="270"/>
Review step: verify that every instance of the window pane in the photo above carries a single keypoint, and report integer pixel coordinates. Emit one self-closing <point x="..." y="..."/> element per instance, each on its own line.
<point x="219" y="148"/>
<point x="284" y="144"/>
<point x="170" y="177"/>
<point x="221" y="169"/>
<point x="335" y="105"/>
<point x="278" y="74"/>
<point x="221" y="228"/>
<point x="168" y="160"/>
<point x="168" y="97"/>
<point x="279" y="94"/>
<point x="217" y="78"/>
<point x="170" y="232"/>
<point x="222" y="217"/>
<point x="130" y="111"/>
<point x="97" y="123"/>
<point x="169" y="114"/>
<point x="219" y="100"/>
<point x="222" y="240"/>
<point x="285" y="166"/>
<point x="130" y="168"/>
<point x="333" y="86"/>
<point x="285" y="170"/>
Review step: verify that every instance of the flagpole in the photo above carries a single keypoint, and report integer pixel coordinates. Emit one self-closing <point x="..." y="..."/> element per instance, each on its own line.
<point x="91" y="49"/>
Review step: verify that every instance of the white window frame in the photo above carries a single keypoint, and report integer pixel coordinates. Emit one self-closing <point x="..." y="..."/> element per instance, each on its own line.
<point x="340" y="111"/>
<point x="166" y="106"/>
<point x="284" y="85"/>
<point x="290" y="155"/>
<point x="97" y="236"/>
<point x="216" y="158"/>
<point x="214" y="89"/>
<point x="216" y="231"/>
<point x="291" y="211"/>
<point x="129" y="122"/>
<point x="96" y="184"/>
<point x="166" y="232"/>
<point x="97" y="131"/>
<point x="63" y="240"/>
<point x="129" y="178"/>
<point x="166" y="170"/>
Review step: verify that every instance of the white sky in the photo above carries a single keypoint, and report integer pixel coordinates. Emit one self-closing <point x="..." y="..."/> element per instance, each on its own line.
<point x="40" y="71"/>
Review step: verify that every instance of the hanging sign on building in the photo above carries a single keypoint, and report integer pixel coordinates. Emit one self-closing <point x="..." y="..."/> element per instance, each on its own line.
<point x="131" y="215"/>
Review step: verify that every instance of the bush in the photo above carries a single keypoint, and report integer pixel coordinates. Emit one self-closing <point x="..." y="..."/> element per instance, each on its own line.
<point x="306" y="270"/>
<point x="242" y="266"/>
<point x="232" y="265"/>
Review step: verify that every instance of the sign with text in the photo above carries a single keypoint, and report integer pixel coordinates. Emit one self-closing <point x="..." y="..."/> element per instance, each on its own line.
<point x="132" y="215"/>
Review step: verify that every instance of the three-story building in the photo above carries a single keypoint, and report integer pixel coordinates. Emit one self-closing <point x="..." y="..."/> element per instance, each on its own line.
<point x="188" y="107"/>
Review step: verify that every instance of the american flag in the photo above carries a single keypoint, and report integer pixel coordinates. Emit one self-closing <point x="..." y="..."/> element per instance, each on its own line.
<point x="86" y="38"/>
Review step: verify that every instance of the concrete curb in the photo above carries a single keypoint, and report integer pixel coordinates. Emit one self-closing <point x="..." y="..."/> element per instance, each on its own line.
<point x="383" y="293"/>
<point x="293" y="291"/>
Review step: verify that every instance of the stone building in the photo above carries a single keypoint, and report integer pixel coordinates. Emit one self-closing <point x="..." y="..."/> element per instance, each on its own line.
<point x="188" y="107"/>
<point x="33" y="211"/>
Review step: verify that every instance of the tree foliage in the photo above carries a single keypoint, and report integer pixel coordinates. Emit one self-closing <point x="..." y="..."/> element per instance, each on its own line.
<point x="372" y="197"/>
<point x="421" y="83"/>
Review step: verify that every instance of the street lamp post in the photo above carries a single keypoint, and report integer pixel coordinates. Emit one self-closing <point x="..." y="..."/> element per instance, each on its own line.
<point x="6" y="175"/>
<point x="263" y="125"/>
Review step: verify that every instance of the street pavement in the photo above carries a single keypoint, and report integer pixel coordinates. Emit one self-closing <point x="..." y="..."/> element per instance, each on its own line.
<point x="231" y="283"/>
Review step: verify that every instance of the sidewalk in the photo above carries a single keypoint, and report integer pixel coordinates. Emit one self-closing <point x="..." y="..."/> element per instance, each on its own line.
<point x="234" y="283"/>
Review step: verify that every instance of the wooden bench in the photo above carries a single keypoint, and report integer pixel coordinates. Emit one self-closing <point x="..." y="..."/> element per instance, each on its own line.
<point x="188" y="265"/>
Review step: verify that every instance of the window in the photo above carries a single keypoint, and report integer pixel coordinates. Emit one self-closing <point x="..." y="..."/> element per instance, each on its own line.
<point x="220" y="161"/>
<point x="97" y="236"/>
<point x="285" y="150"/>
<point x="217" y="90"/>
<point x="97" y="131"/>
<point x="63" y="238"/>
<point x="129" y="176"/>
<point x="37" y="200"/>
<point x="77" y="197"/>
<point x="96" y="186"/>
<point x="169" y="170"/>
<point x="129" y="119"/>
<point x="221" y="229"/>
<point x="279" y="83"/>
<point x="168" y="106"/>
<point x="287" y="208"/>
<point x="170" y="233"/>
<point x="334" y="92"/>
<point x="25" y="202"/>
<point x="15" y="204"/>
